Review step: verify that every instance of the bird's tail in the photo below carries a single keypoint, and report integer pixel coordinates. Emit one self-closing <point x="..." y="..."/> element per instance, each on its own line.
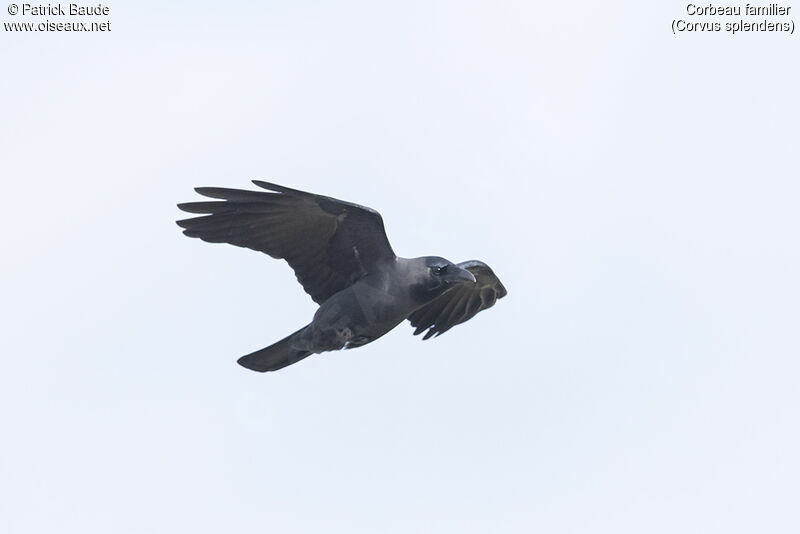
<point x="276" y="356"/>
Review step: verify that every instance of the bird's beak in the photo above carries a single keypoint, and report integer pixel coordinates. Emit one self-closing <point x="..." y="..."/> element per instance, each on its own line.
<point x="460" y="275"/>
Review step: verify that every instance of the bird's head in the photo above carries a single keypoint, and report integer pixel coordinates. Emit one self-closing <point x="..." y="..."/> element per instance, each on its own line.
<point x="436" y="275"/>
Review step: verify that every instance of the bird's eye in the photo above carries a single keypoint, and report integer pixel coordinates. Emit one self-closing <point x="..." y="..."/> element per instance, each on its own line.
<point x="436" y="270"/>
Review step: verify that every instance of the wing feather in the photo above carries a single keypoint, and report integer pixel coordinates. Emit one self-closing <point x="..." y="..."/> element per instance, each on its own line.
<point x="461" y="303"/>
<point x="329" y="243"/>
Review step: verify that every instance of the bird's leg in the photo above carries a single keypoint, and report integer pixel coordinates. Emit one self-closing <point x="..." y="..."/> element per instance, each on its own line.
<point x="358" y="341"/>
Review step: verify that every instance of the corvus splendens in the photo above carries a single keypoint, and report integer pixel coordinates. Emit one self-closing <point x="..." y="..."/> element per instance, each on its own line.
<point x="341" y="256"/>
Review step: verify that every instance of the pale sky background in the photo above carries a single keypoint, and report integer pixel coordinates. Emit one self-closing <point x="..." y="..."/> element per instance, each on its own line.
<point x="636" y="192"/>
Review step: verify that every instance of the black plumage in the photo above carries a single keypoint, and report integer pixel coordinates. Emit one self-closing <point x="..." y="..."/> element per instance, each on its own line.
<point x="459" y="304"/>
<point x="341" y="256"/>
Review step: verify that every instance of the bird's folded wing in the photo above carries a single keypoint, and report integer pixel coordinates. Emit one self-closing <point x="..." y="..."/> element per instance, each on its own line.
<point x="459" y="304"/>
<point x="328" y="242"/>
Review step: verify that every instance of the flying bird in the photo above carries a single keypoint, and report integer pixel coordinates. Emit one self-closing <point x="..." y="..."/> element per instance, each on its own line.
<point x="341" y="256"/>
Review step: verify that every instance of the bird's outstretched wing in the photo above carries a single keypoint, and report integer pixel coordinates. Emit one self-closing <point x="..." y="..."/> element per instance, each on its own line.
<point x="459" y="304"/>
<point x="328" y="242"/>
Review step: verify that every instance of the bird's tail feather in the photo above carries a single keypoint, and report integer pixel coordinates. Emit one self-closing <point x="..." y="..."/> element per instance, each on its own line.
<point x="276" y="356"/>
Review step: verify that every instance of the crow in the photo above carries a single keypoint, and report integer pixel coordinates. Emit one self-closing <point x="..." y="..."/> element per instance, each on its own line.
<point x="341" y="256"/>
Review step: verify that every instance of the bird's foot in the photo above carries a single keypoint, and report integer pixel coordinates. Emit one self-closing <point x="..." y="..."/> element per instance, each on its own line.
<point x="357" y="342"/>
